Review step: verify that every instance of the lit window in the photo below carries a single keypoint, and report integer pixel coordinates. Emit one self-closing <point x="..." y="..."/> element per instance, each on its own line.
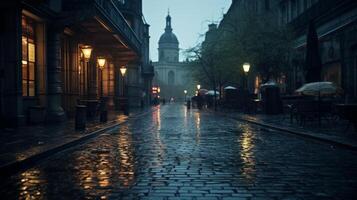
<point x="28" y="57"/>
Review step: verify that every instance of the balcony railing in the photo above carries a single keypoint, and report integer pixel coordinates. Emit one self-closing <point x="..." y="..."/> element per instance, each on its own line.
<point x="112" y="16"/>
<point x="111" y="11"/>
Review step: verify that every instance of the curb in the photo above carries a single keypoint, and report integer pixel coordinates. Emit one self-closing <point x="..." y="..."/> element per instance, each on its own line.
<point x="298" y="133"/>
<point x="14" y="167"/>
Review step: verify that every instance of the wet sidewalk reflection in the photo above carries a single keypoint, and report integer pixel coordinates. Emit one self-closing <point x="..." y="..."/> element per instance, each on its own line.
<point x="175" y="153"/>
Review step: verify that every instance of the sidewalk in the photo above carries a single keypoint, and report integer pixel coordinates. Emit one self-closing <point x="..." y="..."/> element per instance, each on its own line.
<point x="333" y="132"/>
<point x="25" y="143"/>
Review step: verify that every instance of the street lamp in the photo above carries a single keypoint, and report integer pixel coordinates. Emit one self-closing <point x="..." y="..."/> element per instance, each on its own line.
<point x="185" y="91"/>
<point x="123" y="70"/>
<point x="246" y="68"/>
<point x="125" y="106"/>
<point x="158" y="90"/>
<point x="101" y="63"/>
<point x="87" y="51"/>
<point x="198" y="87"/>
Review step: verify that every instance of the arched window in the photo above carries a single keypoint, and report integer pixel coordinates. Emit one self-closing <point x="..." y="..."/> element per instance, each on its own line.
<point x="171" y="78"/>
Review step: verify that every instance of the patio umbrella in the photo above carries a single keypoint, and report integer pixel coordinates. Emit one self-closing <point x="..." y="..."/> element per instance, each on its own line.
<point x="270" y="83"/>
<point x="320" y="89"/>
<point x="230" y="88"/>
<point x="313" y="64"/>
<point x="211" y="93"/>
<point x="202" y="91"/>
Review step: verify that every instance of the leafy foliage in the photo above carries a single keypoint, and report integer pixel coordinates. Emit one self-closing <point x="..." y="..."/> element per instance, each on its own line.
<point x="243" y="37"/>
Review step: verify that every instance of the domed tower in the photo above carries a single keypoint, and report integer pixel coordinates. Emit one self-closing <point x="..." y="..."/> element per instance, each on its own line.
<point x="168" y="44"/>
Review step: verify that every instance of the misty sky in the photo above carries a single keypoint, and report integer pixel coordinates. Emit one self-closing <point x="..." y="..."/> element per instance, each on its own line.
<point x="190" y="19"/>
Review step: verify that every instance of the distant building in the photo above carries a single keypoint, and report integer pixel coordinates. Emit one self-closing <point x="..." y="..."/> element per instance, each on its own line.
<point x="171" y="75"/>
<point x="44" y="71"/>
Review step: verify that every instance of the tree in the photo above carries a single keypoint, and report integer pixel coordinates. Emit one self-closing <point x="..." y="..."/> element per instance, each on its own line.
<point x="259" y="40"/>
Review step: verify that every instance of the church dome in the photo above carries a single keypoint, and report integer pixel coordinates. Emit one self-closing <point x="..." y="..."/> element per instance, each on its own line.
<point x="168" y="37"/>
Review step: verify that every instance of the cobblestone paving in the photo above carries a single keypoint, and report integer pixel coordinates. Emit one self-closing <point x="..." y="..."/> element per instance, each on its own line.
<point x="179" y="154"/>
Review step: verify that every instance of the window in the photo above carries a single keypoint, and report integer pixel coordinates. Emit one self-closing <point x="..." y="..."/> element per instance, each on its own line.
<point x="108" y="80"/>
<point x="28" y="57"/>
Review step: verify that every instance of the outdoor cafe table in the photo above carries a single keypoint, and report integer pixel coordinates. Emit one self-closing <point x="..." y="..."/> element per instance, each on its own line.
<point x="349" y="112"/>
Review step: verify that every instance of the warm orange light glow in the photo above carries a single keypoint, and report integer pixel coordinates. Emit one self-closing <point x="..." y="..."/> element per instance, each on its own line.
<point x="87" y="51"/>
<point x="31" y="52"/>
<point x="123" y="70"/>
<point x="246" y="67"/>
<point x="101" y="62"/>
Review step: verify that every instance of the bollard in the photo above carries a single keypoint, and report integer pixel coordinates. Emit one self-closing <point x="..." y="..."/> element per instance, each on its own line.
<point x="126" y="110"/>
<point x="80" y="120"/>
<point x="103" y="110"/>
<point x="103" y="116"/>
<point x="126" y="106"/>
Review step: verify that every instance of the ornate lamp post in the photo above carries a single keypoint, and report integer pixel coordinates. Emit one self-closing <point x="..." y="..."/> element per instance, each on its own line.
<point x="103" y="101"/>
<point x="126" y="107"/>
<point x="86" y="51"/>
<point x="101" y="64"/>
<point x="246" y="68"/>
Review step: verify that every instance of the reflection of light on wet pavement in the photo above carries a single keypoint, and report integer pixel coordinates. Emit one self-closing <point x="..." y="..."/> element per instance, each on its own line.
<point x="126" y="170"/>
<point x="232" y="160"/>
<point x="94" y="170"/>
<point x="246" y="153"/>
<point x="32" y="185"/>
<point x="198" y="126"/>
<point x="157" y="121"/>
<point x="104" y="169"/>
<point x="121" y="118"/>
<point x="156" y="116"/>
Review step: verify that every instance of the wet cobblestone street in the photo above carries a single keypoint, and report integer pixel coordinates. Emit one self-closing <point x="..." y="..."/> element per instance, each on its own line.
<point x="173" y="153"/>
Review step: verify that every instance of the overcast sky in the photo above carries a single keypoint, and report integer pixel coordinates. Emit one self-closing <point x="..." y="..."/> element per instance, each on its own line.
<point x="190" y="19"/>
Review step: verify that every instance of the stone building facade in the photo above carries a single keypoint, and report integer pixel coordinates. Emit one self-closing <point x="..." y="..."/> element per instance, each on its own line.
<point x="336" y="25"/>
<point x="171" y="75"/>
<point x="43" y="63"/>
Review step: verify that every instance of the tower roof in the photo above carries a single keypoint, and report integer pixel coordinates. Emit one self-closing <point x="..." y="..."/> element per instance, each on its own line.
<point x="168" y="36"/>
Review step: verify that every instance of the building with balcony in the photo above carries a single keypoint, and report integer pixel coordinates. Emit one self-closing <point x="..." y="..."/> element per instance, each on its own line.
<point x="57" y="53"/>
